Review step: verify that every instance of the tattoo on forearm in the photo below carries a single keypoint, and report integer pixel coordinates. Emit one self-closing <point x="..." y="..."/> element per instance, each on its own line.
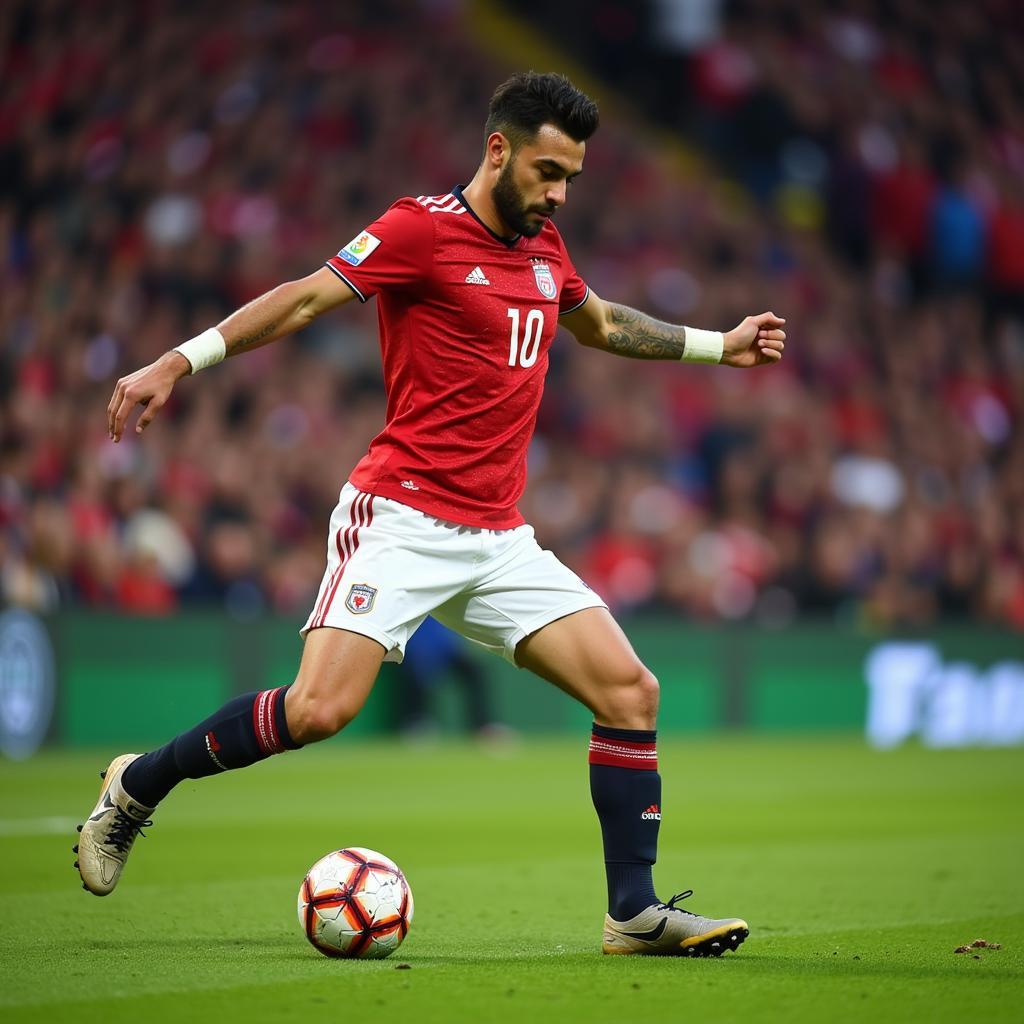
<point x="640" y="336"/>
<point x="249" y="340"/>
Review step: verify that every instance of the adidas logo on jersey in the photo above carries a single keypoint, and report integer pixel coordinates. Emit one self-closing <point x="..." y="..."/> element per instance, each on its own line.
<point x="476" y="276"/>
<point x="653" y="813"/>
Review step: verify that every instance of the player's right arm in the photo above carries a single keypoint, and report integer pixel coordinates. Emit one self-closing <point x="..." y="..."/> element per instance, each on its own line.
<point x="611" y="327"/>
<point x="282" y="311"/>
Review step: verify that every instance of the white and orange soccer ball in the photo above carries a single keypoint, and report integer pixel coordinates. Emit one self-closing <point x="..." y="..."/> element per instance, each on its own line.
<point x="355" y="903"/>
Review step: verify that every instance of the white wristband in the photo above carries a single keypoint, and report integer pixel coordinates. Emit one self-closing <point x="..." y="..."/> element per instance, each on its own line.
<point x="703" y="346"/>
<point x="204" y="349"/>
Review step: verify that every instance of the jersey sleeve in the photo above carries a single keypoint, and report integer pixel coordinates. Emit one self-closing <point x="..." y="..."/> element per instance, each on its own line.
<point x="574" y="289"/>
<point x="395" y="251"/>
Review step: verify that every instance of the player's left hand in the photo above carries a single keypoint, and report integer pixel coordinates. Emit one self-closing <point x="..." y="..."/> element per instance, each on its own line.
<point x="756" y="341"/>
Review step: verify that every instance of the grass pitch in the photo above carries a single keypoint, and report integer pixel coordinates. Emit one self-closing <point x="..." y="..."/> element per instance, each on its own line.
<point x="858" y="872"/>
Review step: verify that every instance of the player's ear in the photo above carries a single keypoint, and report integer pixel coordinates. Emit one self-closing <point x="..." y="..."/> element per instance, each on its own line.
<point x="497" y="150"/>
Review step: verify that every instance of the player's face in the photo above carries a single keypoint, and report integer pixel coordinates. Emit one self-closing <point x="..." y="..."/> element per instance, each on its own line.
<point x="534" y="181"/>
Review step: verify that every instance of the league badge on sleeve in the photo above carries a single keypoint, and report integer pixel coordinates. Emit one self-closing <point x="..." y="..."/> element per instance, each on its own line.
<point x="359" y="248"/>
<point x="360" y="598"/>
<point x="545" y="282"/>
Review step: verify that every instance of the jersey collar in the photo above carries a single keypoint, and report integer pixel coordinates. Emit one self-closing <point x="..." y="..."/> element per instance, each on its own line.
<point x="507" y="242"/>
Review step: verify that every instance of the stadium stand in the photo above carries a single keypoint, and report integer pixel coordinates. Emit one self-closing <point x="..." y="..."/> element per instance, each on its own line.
<point x="878" y="473"/>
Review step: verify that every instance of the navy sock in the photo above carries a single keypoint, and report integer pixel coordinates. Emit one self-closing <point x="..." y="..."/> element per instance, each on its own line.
<point x="626" y="789"/>
<point x="244" y="731"/>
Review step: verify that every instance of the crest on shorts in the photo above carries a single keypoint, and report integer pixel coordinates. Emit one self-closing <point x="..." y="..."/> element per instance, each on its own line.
<point x="545" y="282"/>
<point x="360" y="598"/>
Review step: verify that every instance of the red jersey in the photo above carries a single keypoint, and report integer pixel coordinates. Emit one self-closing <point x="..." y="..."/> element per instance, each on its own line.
<point x="466" y="320"/>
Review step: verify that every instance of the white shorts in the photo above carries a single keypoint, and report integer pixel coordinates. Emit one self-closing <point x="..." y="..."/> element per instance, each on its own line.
<point x="389" y="566"/>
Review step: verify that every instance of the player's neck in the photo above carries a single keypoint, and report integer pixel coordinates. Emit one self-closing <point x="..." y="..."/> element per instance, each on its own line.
<point x="478" y="194"/>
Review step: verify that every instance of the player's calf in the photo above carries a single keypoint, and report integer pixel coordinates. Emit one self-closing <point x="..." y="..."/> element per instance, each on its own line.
<point x="311" y="720"/>
<point x="334" y="680"/>
<point x="247" y="729"/>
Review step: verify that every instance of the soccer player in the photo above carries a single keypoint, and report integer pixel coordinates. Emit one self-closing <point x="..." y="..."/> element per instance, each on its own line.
<point x="471" y="286"/>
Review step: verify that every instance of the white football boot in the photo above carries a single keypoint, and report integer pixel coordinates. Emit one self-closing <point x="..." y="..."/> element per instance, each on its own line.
<point x="110" y="831"/>
<point x="666" y="930"/>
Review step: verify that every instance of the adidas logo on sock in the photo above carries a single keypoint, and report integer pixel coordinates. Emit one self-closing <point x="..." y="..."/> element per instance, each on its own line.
<point x="476" y="276"/>
<point x="212" y="748"/>
<point x="653" y="813"/>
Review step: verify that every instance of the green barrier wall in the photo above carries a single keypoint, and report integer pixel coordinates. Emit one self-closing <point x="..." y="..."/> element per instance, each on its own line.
<point x="138" y="681"/>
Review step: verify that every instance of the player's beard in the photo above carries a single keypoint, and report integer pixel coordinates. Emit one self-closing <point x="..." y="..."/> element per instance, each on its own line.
<point x="512" y="207"/>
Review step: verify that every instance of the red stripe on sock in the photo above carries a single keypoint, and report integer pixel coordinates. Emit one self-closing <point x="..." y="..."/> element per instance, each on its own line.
<point x="268" y="717"/>
<point x="276" y="746"/>
<point x="623" y="754"/>
<point x="627" y="744"/>
<point x="263" y="721"/>
<point x="257" y="721"/>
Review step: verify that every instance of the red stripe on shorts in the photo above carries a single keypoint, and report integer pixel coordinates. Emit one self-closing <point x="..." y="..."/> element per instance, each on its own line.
<point x="316" y="620"/>
<point x="341" y="541"/>
<point x="328" y="589"/>
<point x="348" y="543"/>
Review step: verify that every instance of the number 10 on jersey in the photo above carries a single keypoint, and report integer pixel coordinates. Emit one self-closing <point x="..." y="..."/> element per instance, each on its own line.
<point x="524" y="352"/>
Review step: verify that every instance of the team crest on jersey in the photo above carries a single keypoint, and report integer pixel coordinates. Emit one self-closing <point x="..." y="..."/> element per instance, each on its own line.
<point x="545" y="282"/>
<point x="359" y="248"/>
<point x="360" y="598"/>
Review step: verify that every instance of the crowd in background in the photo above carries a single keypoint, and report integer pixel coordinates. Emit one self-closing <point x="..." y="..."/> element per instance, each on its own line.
<point x="161" y="164"/>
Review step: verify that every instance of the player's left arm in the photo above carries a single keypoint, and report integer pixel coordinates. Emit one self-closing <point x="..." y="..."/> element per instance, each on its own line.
<point x="623" y="331"/>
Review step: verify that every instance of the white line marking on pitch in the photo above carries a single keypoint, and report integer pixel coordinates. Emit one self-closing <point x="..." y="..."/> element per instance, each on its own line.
<point x="36" y="826"/>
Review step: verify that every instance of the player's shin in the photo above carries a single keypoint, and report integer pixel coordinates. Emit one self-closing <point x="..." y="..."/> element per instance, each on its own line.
<point x="626" y="790"/>
<point x="244" y="731"/>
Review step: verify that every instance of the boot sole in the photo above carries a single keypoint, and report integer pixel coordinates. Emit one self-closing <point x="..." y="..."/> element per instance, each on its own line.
<point x="714" y="943"/>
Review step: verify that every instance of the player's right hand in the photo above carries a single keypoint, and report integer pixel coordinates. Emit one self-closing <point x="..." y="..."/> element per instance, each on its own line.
<point x="149" y="387"/>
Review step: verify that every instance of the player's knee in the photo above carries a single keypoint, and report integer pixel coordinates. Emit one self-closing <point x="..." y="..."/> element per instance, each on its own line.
<point x="313" y="720"/>
<point x="646" y="695"/>
<point x="632" y="703"/>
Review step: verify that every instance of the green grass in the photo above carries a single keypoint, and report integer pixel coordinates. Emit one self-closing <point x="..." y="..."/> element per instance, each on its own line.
<point x="859" y="873"/>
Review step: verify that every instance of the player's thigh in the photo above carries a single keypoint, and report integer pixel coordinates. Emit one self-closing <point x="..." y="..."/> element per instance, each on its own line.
<point x="336" y="674"/>
<point x="587" y="655"/>
<point x="538" y="614"/>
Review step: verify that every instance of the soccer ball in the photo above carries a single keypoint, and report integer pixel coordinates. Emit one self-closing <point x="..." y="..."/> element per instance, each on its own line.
<point x="355" y="903"/>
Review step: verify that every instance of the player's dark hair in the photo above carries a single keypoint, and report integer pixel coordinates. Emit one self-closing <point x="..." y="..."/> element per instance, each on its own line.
<point x="528" y="100"/>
